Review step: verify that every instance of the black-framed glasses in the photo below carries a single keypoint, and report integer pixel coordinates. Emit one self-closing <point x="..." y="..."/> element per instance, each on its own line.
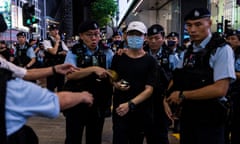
<point x="91" y="35"/>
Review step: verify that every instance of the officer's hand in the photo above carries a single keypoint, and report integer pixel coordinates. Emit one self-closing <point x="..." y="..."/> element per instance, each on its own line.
<point x="174" y="98"/>
<point x="101" y="72"/>
<point x="65" y="68"/>
<point x="57" y="38"/>
<point x="121" y="51"/>
<point x="86" y="97"/>
<point x="122" y="109"/>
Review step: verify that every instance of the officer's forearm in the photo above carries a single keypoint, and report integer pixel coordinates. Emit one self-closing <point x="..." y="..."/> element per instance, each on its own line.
<point x="33" y="74"/>
<point x="216" y="90"/>
<point x="81" y="73"/>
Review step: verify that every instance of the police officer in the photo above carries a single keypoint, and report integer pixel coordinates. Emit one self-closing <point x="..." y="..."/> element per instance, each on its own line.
<point x="201" y="83"/>
<point x="233" y="37"/>
<point x="18" y="103"/>
<point x="56" y="51"/>
<point x="174" y="49"/>
<point x="24" y="53"/>
<point x="93" y="59"/>
<point x="156" y="48"/>
<point x="116" y="41"/>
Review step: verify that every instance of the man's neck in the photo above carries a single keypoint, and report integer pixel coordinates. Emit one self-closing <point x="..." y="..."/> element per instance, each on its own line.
<point x="135" y="53"/>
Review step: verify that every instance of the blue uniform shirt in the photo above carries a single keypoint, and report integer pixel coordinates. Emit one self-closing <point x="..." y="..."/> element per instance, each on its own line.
<point x="25" y="99"/>
<point x="72" y="58"/>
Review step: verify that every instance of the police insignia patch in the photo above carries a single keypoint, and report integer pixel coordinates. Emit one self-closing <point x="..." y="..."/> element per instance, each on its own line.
<point x="196" y="13"/>
<point x="154" y="30"/>
<point x="95" y="25"/>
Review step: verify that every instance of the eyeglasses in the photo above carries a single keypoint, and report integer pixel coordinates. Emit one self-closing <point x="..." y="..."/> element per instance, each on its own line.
<point x="91" y="35"/>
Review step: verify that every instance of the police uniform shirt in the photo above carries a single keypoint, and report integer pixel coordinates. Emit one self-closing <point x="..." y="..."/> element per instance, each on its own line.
<point x="25" y="99"/>
<point x="174" y="59"/>
<point x="237" y="64"/>
<point x="72" y="58"/>
<point x="158" y="54"/>
<point x="30" y="52"/>
<point x="222" y="61"/>
<point x="17" y="71"/>
<point x="47" y="44"/>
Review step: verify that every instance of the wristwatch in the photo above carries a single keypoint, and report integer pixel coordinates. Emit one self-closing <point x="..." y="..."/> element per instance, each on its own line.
<point x="132" y="106"/>
<point x="181" y="96"/>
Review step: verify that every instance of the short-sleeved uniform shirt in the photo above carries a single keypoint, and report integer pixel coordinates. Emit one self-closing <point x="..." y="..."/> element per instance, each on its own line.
<point x="72" y="58"/>
<point x="47" y="44"/>
<point x="25" y="99"/>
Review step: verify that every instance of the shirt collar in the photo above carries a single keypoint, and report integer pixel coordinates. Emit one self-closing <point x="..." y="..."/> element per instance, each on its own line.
<point x="158" y="54"/>
<point x="90" y="52"/>
<point x="202" y="45"/>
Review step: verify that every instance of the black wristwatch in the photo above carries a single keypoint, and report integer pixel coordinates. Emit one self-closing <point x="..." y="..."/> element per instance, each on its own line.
<point x="181" y="96"/>
<point x="132" y="106"/>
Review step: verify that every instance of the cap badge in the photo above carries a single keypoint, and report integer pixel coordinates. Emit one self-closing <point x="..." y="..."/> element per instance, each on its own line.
<point x="95" y="25"/>
<point x="196" y="13"/>
<point x="154" y="30"/>
<point x="234" y="32"/>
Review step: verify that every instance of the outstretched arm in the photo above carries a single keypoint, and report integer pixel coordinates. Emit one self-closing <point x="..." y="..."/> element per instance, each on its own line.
<point x="37" y="73"/>
<point x="70" y="99"/>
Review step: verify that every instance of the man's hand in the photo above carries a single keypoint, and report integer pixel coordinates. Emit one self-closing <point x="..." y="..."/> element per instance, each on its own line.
<point x="65" y="68"/>
<point x="174" y="98"/>
<point x="122" y="109"/>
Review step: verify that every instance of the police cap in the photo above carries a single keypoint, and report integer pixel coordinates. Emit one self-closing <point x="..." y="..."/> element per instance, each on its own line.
<point x="197" y="13"/>
<point x="88" y="25"/>
<point x="155" y="29"/>
<point x="116" y="33"/>
<point x="21" y="34"/>
<point x="173" y="34"/>
<point x="232" y="32"/>
<point x="52" y="27"/>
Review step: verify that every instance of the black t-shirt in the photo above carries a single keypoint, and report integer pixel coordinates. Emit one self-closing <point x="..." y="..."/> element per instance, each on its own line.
<point x="137" y="71"/>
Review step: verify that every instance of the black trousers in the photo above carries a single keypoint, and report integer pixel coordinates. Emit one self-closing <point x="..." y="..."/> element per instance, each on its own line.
<point x="25" y="135"/>
<point x="160" y="125"/>
<point x="192" y="133"/>
<point x="235" y="119"/>
<point x="55" y="81"/>
<point x="80" y="117"/>
<point x="127" y="129"/>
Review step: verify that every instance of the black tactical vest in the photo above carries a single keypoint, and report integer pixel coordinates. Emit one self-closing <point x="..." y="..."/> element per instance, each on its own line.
<point x="21" y="58"/>
<point x="51" y="59"/>
<point x="100" y="88"/>
<point x="197" y="73"/>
